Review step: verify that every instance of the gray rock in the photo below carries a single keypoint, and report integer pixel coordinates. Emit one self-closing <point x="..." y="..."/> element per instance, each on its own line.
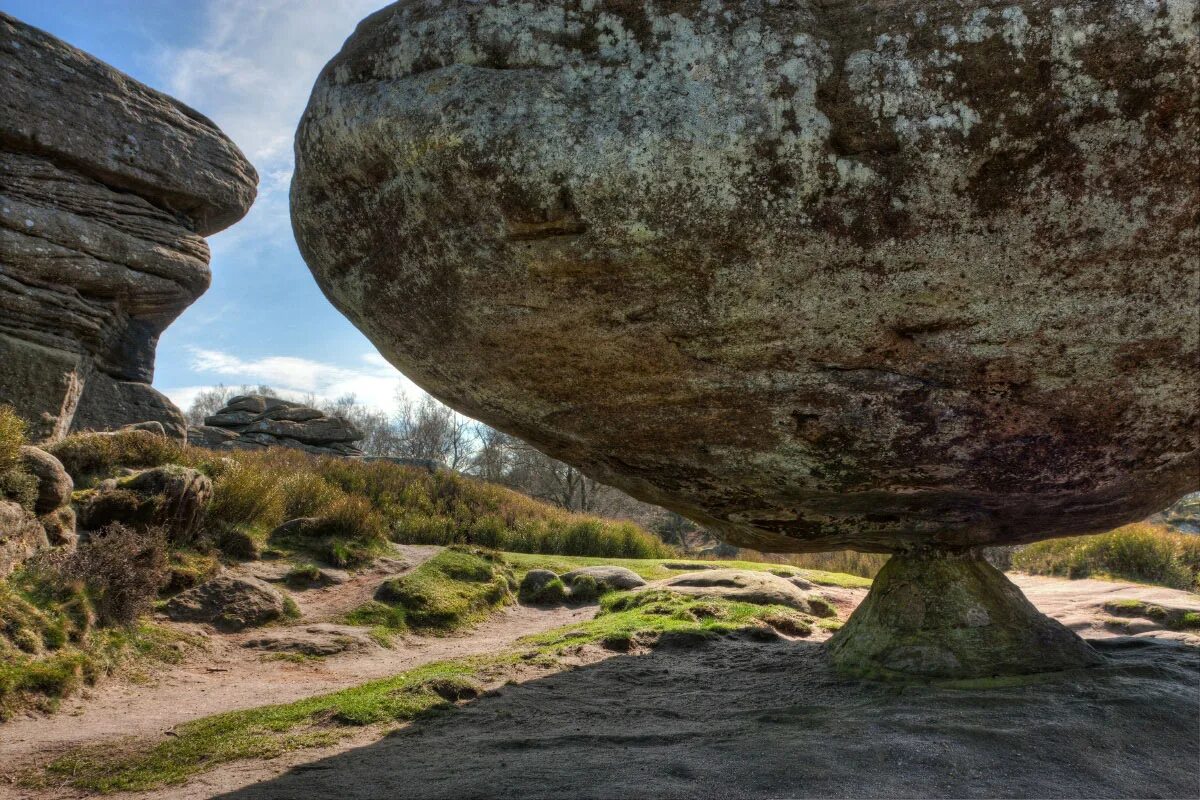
<point x="319" y="640"/>
<point x="611" y="578"/>
<point x="229" y="603"/>
<point x="209" y="436"/>
<point x="170" y="496"/>
<point x="257" y="421"/>
<point x="151" y="426"/>
<point x="54" y="484"/>
<point x="817" y="275"/>
<point x="106" y="188"/>
<point x="743" y="585"/>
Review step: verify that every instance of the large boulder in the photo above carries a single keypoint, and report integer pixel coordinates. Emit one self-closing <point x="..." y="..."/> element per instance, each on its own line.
<point x="172" y="496"/>
<point x="255" y="422"/>
<point x="54" y="484"/>
<point x="106" y="188"/>
<point x="874" y="275"/>
<point x="229" y="603"/>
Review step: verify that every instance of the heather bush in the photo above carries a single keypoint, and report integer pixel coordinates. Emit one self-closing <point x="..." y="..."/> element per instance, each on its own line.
<point x="1139" y="552"/>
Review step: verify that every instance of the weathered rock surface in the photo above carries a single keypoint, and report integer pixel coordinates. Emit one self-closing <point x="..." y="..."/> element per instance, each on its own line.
<point x="229" y="603"/>
<point x="952" y="617"/>
<point x="607" y="578"/>
<point x="744" y="585"/>
<point x="323" y="639"/>
<point x="170" y="496"/>
<point x="255" y="422"/>
<point x="818" y="275"/>
<point x="54" y="484"/>
<point x="106" y="188"/>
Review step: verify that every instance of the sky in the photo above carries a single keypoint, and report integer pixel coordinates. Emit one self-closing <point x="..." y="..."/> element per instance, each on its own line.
<point x="248" y="65"/>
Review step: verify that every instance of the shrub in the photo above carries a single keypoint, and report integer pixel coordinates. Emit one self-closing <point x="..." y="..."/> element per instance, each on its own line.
<point x="122" y="569"/>
<point x="12" y="437"/>
<point x="87" y="455"/>
<point x="349" y="533"/>
<point x="20" y="487"/>
<point x="1138" y="552"/>
<point x="247" y="494"/>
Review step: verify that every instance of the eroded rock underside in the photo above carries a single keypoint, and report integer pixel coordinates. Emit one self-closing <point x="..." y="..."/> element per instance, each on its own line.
<point x="818" y="275"/>
<point x="940" y="616"/>
<point x="106" y="188"/>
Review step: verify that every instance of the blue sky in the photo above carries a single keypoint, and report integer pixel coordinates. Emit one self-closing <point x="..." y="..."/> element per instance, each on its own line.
<point x="249" y="66"/>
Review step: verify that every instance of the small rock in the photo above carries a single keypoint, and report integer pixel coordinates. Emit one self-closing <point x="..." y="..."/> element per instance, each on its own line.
<point x="607" y="578"/>
<point x="59" y="525"/>
<point x="230" y="603"/>
<point x="323" y="639"/>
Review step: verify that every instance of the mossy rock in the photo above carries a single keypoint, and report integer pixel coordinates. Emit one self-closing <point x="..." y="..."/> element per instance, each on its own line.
<point x="952" y="616"/>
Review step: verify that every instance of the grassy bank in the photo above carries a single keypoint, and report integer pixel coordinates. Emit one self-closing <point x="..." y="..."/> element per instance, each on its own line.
<point x="269" y="731"/>
<point x="360" y="504"/>
<point x="1140" y="552"/>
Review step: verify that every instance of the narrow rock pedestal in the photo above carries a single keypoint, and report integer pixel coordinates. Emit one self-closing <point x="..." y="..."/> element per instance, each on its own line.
<point x="935" y="615"/>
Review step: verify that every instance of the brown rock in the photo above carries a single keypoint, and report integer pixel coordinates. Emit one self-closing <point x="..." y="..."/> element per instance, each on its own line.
<point x="171" y="496"/>
<point x="106" y="188"/>
<point x="54" y="484"/>
<point x="59" y="526"/>
<point x="229" y="603"/>
<point x="818" y="275"/>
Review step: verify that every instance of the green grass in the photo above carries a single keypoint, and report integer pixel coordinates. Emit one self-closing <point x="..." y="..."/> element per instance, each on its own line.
<point x="50" y="649"/>
<point x="16" y="484"/>
<point x="88" y="456"/>
<point x="455" y="588"/>
<point x="1176" y="619"/>
<point x="1141" y="552"/>
<point x="655" y="569"/>
<point x="269" y="731"/>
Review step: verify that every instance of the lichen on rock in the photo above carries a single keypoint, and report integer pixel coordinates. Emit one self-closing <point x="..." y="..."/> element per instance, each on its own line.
<point x="818" y="275"/>
<point x="952" y="616"/>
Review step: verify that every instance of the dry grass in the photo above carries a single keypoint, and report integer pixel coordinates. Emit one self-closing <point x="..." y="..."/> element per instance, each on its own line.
<point x="1139" y="552"/>
<point x="260" y="490"/>
<point x="847" y="562"/>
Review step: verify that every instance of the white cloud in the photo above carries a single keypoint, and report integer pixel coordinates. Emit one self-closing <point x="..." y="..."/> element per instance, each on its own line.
<point x="376" y="383"/>
<point x="251" y="72"/>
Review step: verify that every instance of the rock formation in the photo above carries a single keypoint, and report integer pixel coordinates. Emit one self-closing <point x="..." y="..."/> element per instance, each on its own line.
<point x="39" y="518"/>
<point x="106" y="188"/>
<point x="255" y="422"/>
<point x="896" y="277"/>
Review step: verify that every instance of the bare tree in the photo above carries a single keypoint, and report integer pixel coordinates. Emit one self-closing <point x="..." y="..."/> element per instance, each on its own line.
<point x="430" y="430"/>
<point x="209" y="401"/>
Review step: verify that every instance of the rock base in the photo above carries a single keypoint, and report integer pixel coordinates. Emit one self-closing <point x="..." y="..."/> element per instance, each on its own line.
<point x="952" y="616"/>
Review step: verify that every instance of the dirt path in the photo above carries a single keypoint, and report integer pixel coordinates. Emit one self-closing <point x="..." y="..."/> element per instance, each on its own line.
<point x="227" y="675"/>
<point x="231" y="676"/>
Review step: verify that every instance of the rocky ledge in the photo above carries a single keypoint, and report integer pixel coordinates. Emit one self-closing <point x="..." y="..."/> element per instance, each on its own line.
<point x="106" y="188"/>
<point x="255" y="422"/>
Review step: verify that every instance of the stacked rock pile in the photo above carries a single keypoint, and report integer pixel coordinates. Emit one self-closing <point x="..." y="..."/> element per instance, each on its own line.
<point x="254" y="422"/>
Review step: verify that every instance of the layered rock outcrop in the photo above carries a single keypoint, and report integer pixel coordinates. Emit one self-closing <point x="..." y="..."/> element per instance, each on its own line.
<point x="106" y="188"/>
<point x="255" y="422"/>
<point x="883" y="276"/>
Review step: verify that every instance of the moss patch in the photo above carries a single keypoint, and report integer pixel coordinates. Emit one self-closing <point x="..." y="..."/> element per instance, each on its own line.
<point x="266" y="732"/>
<point x="1176" y="619"/>
<point x="455" y="588"/>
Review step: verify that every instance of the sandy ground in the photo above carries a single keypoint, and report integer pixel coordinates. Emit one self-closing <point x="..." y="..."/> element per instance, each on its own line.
<point x="735" y="719"/>
<point x="226" y="675"/>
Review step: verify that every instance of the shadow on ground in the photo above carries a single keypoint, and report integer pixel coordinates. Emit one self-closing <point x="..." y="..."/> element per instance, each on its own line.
<point x="739" y="719"/>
